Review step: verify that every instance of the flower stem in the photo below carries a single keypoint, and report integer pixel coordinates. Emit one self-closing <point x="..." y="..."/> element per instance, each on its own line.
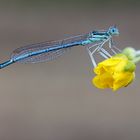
<point x="137" y="53"/>
<point x="137" y="59"/>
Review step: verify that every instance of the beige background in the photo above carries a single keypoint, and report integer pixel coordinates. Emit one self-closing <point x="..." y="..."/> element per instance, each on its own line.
<point x="56" y="100"/>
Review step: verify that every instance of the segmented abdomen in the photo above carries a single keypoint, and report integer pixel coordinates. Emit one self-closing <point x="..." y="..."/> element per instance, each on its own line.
<point x="28" y="50"/>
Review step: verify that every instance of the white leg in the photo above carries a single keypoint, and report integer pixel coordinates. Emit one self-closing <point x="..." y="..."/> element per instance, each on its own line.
<point x="103" y="55"/>
<point x="103" y="44"/>
<point x="99" y="47"/>
<point x="105" y="52"/>
<point x="111" y="46"/>
<point x="102" y="52"/>
<point x="96" y="46"/>
<point x="91" y="57"/>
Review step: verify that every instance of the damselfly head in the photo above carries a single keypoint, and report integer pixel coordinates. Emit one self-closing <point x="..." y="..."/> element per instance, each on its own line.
<point x="113" y="30"/>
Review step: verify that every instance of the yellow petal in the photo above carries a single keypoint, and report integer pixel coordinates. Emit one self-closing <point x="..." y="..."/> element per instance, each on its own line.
<point x="115" y="72"/>
<point x="122" y="79"/>
<point x="103" y="81"/>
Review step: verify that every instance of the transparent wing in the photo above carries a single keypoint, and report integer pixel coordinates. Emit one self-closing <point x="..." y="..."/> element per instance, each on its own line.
<point x="43" y="46"/>
<point x="44" y="57"/>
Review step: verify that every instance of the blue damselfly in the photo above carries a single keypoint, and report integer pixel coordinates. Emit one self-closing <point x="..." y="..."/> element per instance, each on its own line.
<point x="46" y="51"/>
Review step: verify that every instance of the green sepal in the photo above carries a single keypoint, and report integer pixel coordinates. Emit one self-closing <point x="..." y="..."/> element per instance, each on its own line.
<point x="130" y="53"/>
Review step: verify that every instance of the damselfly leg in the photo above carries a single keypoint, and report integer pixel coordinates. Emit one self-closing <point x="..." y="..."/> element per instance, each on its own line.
<point x="95" y="48"/>
<point x="113" y="47"/>
<point x="103" y="52"/>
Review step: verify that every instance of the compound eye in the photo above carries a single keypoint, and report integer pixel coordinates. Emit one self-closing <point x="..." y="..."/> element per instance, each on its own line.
<point x="113" y="30"/>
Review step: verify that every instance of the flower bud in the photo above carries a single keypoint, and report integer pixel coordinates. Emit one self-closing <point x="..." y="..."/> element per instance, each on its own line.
<point x="130" y="53"/>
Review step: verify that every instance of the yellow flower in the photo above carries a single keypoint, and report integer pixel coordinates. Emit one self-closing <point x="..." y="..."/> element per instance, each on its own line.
<point x="115" y="72"/>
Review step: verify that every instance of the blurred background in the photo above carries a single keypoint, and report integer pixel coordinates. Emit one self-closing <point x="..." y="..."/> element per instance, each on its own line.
<point x="56" y="100"/>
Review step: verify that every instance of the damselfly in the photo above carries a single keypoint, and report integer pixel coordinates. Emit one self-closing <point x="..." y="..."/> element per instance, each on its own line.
<point x="46" y="51"/>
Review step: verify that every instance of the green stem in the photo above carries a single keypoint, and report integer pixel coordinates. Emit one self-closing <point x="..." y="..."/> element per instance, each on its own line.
<point x="138" y="53"/>
<point x="136" y="59"/>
